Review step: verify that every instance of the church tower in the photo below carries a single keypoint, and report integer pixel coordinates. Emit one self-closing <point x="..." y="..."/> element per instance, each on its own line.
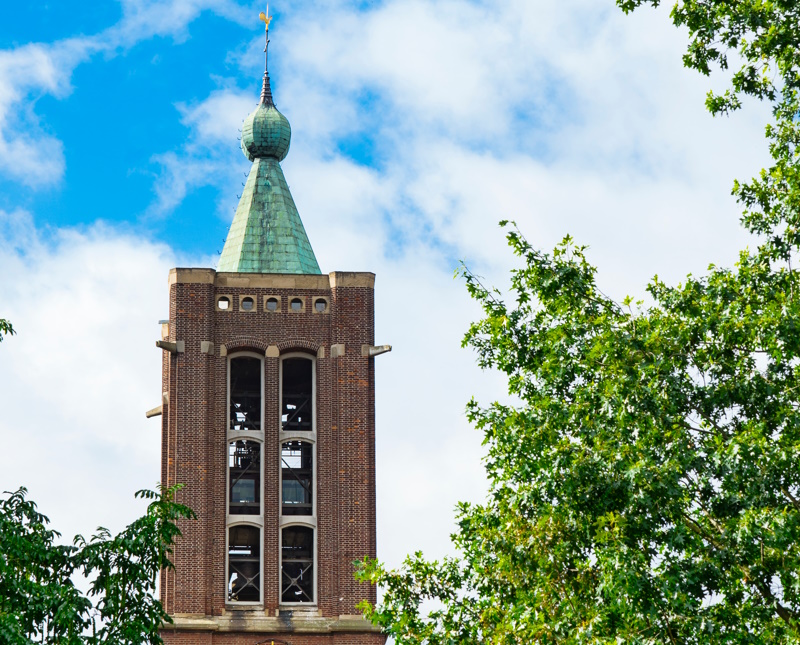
<point x="268" y="422"/>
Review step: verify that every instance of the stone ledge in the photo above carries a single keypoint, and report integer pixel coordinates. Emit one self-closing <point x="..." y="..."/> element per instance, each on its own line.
<point x="272" y="280"/>
<point x="251" y="622"/>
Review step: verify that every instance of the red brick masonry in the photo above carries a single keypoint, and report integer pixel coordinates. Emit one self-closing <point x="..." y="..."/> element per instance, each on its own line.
<point x="194" y="452"/>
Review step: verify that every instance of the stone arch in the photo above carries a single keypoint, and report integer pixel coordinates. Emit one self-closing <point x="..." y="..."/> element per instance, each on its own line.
<point x="297" y="344"/>
<point x="244" y="343"/>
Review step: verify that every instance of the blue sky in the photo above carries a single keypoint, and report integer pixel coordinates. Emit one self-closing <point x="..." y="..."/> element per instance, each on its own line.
<point x="417" y="126"/>
<point x="120" y="111"/>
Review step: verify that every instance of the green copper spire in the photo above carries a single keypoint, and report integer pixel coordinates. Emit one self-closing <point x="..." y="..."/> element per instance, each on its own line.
<point x="267" y="235"/>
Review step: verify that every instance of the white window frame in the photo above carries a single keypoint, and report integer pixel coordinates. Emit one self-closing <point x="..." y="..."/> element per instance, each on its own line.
<point x="308" y="521"/>
<point x="235" y="518"/>
<point x="313" y="432"/>
<point x="245" y="434"/>
<point x="256" y="521"/>
<point x="245" y="603"/>
<point x="310" y="525"/>
<point x="293" y="519"/>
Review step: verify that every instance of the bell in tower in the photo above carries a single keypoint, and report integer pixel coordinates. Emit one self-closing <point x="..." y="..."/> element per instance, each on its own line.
<point x="268" y="422"/>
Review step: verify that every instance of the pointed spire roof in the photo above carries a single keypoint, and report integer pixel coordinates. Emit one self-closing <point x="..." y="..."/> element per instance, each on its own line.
<point x="266" y="91"/>
<point x="267" y="235"/>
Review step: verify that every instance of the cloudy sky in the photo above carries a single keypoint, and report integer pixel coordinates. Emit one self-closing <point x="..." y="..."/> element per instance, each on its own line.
<point x="417" y="126"/>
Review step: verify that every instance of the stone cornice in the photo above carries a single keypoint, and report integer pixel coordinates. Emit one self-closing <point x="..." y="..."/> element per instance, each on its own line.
<point x="252" y="621"/>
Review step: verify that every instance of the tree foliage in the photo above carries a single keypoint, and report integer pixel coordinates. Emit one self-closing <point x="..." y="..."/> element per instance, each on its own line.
<point x="39" y="600"/>
<point x="6" y="328"/>
<point x="763" y="38"/>
<point x="647" y="488"/>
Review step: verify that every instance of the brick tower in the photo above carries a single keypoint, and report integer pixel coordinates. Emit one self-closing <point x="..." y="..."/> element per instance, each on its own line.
<point x="268" y="420"/>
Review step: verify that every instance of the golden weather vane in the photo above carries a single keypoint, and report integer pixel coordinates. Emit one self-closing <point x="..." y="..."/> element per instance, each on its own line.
<point x="266" y="93"/>
<point x="265" y="18"/>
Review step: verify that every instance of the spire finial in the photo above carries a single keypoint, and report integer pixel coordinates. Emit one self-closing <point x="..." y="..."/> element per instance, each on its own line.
<point x="266" y="90"/>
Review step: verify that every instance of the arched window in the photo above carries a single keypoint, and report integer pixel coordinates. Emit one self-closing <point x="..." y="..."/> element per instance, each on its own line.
<point x="245" y="393"/>
<point x="298" y="482"/>
<point x="244" y="563"/>
<point x="297" y="564"/>
<point x="245" y="459"/>
<point x="244" y="477"/>
<point x="297" y="391"/>
<point x="297" y="478"/>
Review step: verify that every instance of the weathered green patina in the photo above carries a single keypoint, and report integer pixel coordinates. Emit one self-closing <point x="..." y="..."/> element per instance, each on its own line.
<point x="267" y="235"/>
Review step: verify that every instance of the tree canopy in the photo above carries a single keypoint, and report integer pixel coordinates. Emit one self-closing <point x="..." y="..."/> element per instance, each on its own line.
<point x="39" y="599"/>
<point x="6" y="328"/>
<point x="647" y="488"/>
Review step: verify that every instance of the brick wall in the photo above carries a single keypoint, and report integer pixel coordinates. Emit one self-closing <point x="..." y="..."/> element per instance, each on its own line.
<point x="194" y="441"/>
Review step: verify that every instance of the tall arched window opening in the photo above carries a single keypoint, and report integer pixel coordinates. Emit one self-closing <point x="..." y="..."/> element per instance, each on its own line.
<point x="244" y="477"/>
<point x="297" y="394"/>
<point x="244" y="563"/>
<point x="297" y="564"/>
<point x="245" y="461"/>
<point x="297" y="478"/>
<point x="245" y="393"/>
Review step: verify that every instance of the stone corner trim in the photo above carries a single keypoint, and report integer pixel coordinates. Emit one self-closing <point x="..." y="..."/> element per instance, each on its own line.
<point x="352" y="279"/>
<point x="191" y="276"/>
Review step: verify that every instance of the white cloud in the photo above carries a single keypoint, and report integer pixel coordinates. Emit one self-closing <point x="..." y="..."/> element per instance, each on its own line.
<point x="569" y="118"/>
<point x="217" y="118"/>
<point x="81" y="370"/>
<point x="428" y="456"/>
<point x="211" y="154"/>
<point x="29" y="153"/>
<point x="566" y="117"/>
<point x="453" y="64"/>
<point x="180" y="174"/>
<point x="143" y="19"/>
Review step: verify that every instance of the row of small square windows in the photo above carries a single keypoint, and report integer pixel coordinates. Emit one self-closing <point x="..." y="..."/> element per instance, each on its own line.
<point x="271" y="303"/>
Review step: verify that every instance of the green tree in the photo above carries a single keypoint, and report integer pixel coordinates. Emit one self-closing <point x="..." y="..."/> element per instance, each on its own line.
<point x="5" y="328"/>
<point x="39" y="601"/>
<point x="647" y="488"/>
